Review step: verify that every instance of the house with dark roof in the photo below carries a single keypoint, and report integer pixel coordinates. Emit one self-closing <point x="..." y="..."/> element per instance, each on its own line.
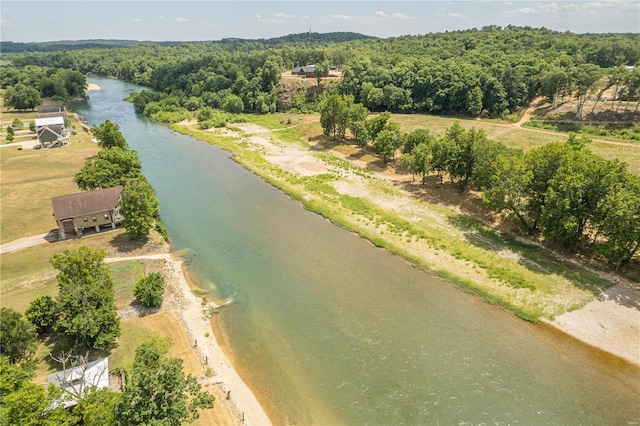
<point x="52" y="111"/>
<point x="52" y="132"/>
<point x="308" y="71"/>
<point x="85" y="210"/>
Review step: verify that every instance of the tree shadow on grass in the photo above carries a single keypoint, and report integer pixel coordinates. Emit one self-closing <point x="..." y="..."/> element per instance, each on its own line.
<point x="123" y="244"/>
<point x="57" y="343"/>
<point x="530" y="255"/>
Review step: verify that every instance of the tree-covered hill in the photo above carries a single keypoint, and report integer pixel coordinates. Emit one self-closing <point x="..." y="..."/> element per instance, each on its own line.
<point x="491" y="71"/>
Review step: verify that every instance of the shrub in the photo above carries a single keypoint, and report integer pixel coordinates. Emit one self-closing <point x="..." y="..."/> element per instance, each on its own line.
<point x="42" y="313"/>
<point x="149" y="290"/>
<point x="17" y="124"/>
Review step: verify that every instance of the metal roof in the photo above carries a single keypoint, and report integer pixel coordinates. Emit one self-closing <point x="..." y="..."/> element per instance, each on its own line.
<point x="85" y="203"/>
<point x="49" y="121"/>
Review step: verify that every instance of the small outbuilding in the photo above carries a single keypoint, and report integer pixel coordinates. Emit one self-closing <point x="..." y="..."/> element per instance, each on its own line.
<point x="52" y="132"/>
<point x="90" y="209"/>
<point x="76" y="380"/>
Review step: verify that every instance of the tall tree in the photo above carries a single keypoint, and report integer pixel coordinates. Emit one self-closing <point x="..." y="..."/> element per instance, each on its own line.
<point x="421" y="160"/>
<point x="462" y="162"/>
<point x="575" y="195"/>
<point x="334" y="116"/>
<point x="584" y="77"/>
<point x="475" y="101"/>
<point x="139" y="207"/>
<point x="620" y="222"/>
<point x="22" y="97"/>
<point x="157" y="391"/>
<point x="18" y="338"/>
<point x="507" y="192"/>
<point x="87" y="311"/>
<point x="109" y="136"/>
<point x="387" y="141"/>
<point x="111" y="167"/>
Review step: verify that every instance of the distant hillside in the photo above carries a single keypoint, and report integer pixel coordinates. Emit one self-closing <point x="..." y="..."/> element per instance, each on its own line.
<point x="336" y="37"/>
<point x="56" y="46"/>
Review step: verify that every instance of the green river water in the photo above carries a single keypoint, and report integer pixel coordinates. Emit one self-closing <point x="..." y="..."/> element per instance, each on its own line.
<point x="328" y="329"/>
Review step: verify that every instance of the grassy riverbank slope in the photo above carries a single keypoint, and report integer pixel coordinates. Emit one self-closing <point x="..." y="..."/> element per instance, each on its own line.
<point x="505" y="271"/>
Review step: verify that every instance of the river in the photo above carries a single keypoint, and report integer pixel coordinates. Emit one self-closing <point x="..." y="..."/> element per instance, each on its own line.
<point x="328" y="329"/>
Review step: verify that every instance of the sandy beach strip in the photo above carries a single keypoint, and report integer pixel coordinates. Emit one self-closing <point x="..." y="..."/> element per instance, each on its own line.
<point x="198" y="328"/>
<point x="92" y="86"/>
<point x="610" y="322"/>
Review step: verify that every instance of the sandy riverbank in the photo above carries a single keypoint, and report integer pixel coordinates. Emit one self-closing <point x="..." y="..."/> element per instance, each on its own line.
<point x="189" y="310"/>
<point x="92" y="86"/>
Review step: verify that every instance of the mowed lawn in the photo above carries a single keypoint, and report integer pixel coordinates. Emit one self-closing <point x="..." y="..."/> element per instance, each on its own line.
<point x="30" y="178"/>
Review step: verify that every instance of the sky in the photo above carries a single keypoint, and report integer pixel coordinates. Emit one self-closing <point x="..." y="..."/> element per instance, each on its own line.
<point x="28" y="20"/>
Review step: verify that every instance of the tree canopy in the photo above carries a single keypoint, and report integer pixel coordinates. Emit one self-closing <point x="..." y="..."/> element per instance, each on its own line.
<point x="157" y="391"/>
<point x="109" y="136"/>
<point x="139" y="207"/>
<point x="111" y="167"/>
<point x="18" y="338"/>
<point x="86" y="307"/>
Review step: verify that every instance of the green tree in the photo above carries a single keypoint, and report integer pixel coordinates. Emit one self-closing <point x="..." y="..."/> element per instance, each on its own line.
<point x="233" y="104"/>
<point x="32" y="126"/>
<point x="139" y="206"/>
<point x="42" y="312"/>
<point x="575" y="194"/>
<point x="13" y="376"/>
<point x="21" y="97"/>
<point x="475" y="101"/>
<point x="386" y="143"/>
<point x="420" y="163"/>
<point x="543" y="162"/>
<point x="111" y="167"/>
<point x="357" y="112"/>
<point x="584" y="77"/>
<point x="87" y="311"/>
<point x="31" y="405"/>
<point x="334" y="116"/>
<point x="415" y="138"/>
<point x="360" y="134"/>
<point x="485" y="152"/>
<point x="462" y="161"/>
<point x="376" y="124"/>
<point x="441" y="153"/>
<point x="157" y="391"/>
<point x="109" y="136"/>
<point x="149" y="290"/>
<point x="507" y="192"/>
<point x="97" y="407"/>
<point x="18" y="338"/>
<point x="620" y="222"/>
<point x="17" y="124"/>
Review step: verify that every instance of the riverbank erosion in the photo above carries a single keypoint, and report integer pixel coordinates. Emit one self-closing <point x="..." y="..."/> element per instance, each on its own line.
<point x="515" y="274"/>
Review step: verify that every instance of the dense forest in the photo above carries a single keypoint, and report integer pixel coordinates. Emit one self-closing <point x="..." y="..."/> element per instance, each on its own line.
<point x="560" y="192"/>
<point x="493" y="71"/>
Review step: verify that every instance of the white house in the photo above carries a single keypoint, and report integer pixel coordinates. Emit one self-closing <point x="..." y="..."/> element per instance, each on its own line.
<point x="76" y="380"/>
<point x="52" y="132"/>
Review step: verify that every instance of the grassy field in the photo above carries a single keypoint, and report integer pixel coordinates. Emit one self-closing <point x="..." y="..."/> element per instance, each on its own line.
<point x="511" y="135"/>
<point x="30" y="178"/>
